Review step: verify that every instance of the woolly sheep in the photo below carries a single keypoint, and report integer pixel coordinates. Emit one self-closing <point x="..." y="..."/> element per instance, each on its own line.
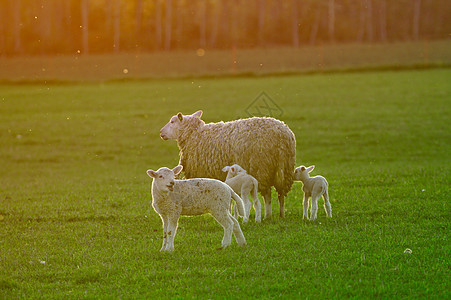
<point x="265" y="147"/>
<point x="314" y="187"/>
<point x="244" y="184"/>
<point x="172" y="198"/>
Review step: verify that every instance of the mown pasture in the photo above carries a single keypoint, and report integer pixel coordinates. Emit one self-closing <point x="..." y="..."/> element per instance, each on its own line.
<point x="75" y="215"/>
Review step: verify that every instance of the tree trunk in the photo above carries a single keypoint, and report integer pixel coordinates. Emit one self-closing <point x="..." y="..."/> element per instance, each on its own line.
<point x="117" y="25"/>
<point x="383" y="20"/>
<point x="168" y="25"/>
<point x="216" y="21"/>
<point x="295" y="23"/>
<point x="369" y="20"/>
<point x="158" y="24"/>
<point x="416" y="19"/>
<point x="85" y="25"/>
<point x="138" y="20"/>
<point x="179" y="23"/>
<point x="315" y="26"/>
<point x="261" y="21"/>
<point x="203" y="24"/>
<point x="331" y="23"/>
<point x="362" y="21"/>
<point x="16" y="26"/>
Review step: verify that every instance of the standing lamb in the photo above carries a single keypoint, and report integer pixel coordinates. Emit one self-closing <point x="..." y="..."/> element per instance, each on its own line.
<point x="265" y="147"/>
<point x="243" y="184"/>
<point x="172" y="198"/>
<point x="314" y="187"/>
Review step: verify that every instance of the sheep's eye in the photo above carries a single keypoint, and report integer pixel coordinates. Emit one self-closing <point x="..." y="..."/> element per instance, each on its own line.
<point x="172" y="122"/>
<point x="160" y="176"/>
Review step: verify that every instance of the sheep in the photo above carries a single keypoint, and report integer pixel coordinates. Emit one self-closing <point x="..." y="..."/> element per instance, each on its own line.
<point x="172" y="198"/>
<point x="265" y="147"/>
<point x="243" y="184"/>
<point x="314" y="187"/>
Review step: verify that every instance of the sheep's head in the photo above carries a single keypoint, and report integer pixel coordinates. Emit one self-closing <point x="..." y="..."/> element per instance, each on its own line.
<point x="234" y="170"/>
<point x="171" y="130"/>
<point x="164" y="177"/>
<point x="301" y="173"/>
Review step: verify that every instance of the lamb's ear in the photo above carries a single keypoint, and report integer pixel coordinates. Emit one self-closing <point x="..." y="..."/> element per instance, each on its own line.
<point x="177" y="169"/>
<point x="310" y="169"/>
<point x="198" y="114"/>
<point x="180" y="116"/>
<point x="152" y="173"/>
<point x="225" y="169"/>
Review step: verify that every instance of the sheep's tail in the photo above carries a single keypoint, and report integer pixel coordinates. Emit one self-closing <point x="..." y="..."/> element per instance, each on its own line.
<point x="239" y="203"/>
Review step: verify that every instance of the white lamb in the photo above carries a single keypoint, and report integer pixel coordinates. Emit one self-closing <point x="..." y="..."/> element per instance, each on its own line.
<point x="172" y="198"/>
<point x="314" y="187"/>
<point x="243" y="184"/>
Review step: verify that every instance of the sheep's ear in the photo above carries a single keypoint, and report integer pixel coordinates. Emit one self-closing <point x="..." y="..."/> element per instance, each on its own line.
<point x="198" y="114"/>
<point x="225" y="169"/>
<point x="177" y="169"/>
<point x="310" y="169"/>
<point x="152" y="173"/>
<point x="180" y="116"/>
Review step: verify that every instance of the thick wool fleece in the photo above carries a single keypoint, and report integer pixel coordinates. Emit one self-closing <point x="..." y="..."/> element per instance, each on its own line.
<point x="265" y="147"/>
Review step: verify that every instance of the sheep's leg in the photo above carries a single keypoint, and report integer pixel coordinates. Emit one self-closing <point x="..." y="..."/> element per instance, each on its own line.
<point x="327" y="206"/>
<point x="165" y="231"/>
<point x="226" y="222"/>
<point x="314" y="209"/>
<point x="235" y="210"/>
<point x="267" y="196"/>
<point x="305" y="203"/>
<point x="257" y="207"/>
<point x="281" y="206"/>
<point x="172" y="230"/>
<point x="247" y="205"/>
<point x="237" y="232"/>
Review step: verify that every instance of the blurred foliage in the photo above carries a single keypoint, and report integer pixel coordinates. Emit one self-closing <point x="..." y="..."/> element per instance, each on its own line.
<point x="102" y="26"/>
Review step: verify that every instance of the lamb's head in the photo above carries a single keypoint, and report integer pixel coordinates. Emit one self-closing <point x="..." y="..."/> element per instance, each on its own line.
<point x="172" y="129"/>
<point x="301" y="173"/>
<point x="164" y="177"/>
<point x="233" y="170"/>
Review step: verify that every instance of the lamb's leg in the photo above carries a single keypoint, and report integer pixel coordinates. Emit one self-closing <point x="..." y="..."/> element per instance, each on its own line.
<point x="305" y="203"/>
<point x="239" y="236"/>
<point x="165" y="232"/>
<point x="267" y="196"/>
<point x="327" y="206"/>
<point x="257" y="206"/>
<point x="314" y="209"/>
<point x="281" y="206"/>
<point x="222" y="216"/>
<point x="247" y="205"/>
<point x="172" y="230"/>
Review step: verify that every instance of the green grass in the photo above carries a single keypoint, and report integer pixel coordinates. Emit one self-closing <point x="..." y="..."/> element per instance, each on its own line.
<point x="220" y="63"/>
<point x="75" y="215"/>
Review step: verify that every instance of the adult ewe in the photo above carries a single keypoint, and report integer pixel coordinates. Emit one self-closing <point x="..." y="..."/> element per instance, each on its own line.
<point x="265" y="147"/>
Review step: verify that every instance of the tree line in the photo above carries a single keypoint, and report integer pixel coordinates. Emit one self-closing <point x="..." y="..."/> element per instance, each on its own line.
<point x="29" y="27"/>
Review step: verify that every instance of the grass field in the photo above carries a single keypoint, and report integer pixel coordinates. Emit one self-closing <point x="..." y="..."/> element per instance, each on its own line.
<point x="75" y="215"/>
<point x="220" y="63"/>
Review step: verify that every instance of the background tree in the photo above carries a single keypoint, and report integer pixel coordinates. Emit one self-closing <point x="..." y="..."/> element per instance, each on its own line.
<point x="66" y="26"/>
